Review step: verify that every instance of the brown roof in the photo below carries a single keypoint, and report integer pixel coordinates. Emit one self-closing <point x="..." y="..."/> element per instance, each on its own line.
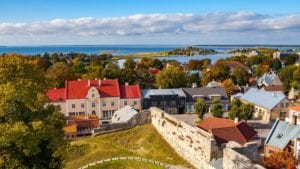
<point x="83" y="121"/>
<point x="295" y="108"/>
<point x="225" y="130"/>
<point x="233" y="64"/>
<point x="274" y="88"/>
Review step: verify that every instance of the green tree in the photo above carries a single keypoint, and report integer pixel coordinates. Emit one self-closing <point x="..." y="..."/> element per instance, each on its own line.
<point x="234" y="111"/>
<point x="217" y="108"/>
<point x="171" y="77"/>
<point x="93" y="72"/>
<point x="276" y="64"/>
<point x="247" y="111"/>
<point x="286" y="76"/>
<point x="291" y="59"/>
<point x="200" y="107"/>
<point x="31" y="134"/>
<point x="78" y="67"/>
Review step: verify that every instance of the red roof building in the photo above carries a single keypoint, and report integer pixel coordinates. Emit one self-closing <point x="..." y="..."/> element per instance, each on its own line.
<point x="225" y="130"/>
<point x="154" y="71"/>
<point x="98" y="97"/>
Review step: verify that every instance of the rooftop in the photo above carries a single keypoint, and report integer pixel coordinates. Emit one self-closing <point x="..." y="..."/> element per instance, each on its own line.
<point x="225" y="130"/>
<point x="263" y="98"/>
<point x="162" y="92"/>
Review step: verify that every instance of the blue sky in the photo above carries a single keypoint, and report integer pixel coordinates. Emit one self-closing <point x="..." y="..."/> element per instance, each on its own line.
<point x="149" y="21"/>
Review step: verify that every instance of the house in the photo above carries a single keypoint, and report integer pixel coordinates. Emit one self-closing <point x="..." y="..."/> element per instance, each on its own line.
<point x="269" y="79"/>
<point x="293" y="112"/>
<point x="154" y="71"/>
<point x="273" y="88"/>
<point x="99" y="97"/>
<point x="84" y="123"/>
<point x="282" y="55"/>
<point x="225" y="130"/>
<point x="123" y="115"/>
<point x="268" y="105"/>
<point x="283" y="136"/>
<point x="293" y="94"/>
<point x="170" y="100"/>
<point x="208" y="94"/>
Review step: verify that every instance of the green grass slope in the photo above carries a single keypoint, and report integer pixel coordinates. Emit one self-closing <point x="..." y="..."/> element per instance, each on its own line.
<point x="126" y="165"/>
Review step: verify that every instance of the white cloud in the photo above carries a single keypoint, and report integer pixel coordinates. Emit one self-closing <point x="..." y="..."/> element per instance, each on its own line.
<point x="153" y="25"/>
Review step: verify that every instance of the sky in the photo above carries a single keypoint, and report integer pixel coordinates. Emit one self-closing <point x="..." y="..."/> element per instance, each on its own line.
<point x="52" y="22"/>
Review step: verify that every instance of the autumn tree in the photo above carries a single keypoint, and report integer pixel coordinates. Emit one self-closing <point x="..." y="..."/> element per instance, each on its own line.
<point x="217" y="108"/>
<point x="240" y="76"/>
<point x="278" y="160"/>
<point x="229" y="86"/>
<point x="291" y="59"/>
<point x="218" y="73"/>
<point x="200" y="107"/>
<point x="171" y="77"/>
<point x="59" y="73"/>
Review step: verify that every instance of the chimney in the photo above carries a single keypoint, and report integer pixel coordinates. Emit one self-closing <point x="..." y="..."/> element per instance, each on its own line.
<point x="89" y="82"/>
<point x="236" y="120"/>
<point x="99" y="82"/>
<point x="294" y="120"/>
<point x="126" y="83"/>
<point x="194" y="85"/>
<point x="274" y="94"/>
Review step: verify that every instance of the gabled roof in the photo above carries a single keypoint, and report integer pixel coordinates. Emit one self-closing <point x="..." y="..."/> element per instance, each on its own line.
<point x="162" y="92"/>
<point x="281" y="133"/>
<point x="205" y="92"/>
<point x="274" y="88"/>
<point x="269" y="78"/>
<point x="225" y="130"/>
<point x="232" y="64"/>
<point x="263" y="98"/>
<point x="130" y="92"/>
<point x="79" y="89"/>
<point x="56" y="95"/>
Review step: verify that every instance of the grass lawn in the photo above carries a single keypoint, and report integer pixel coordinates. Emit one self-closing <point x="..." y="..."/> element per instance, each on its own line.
<point x="126" y="165"/>
<point x="143" y="141"/>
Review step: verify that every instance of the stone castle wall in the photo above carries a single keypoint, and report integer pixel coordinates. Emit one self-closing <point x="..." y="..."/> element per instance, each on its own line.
<point x="193" y="144"/>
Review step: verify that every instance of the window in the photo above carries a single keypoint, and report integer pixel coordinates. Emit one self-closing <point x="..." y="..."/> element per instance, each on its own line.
<point x="81" y="113"/>
<point x="93" y="112"/>
<point x="125" y="103"/>
<point x="163" y="103"/>
<point x="82" y="105"/>
<point x="112" y="103"/>
<point x="93" y="95"/>
<point x="134" y="102"/>
<point x="93" y="105"/>
<point x="154" y="103"/>
<point x="73" y="106"/>
<point x="104" y="103"/>
<point x="72" y="114"/>
<point x="173" y="102"/>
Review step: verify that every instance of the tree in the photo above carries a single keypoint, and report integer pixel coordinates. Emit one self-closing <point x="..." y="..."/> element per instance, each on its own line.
<point x="200" y="107"/>
<point x="59" y="73"/>
<point x="128" y="72"/>
<point x="247" y="111"/>
<point x="291" y="59"/>
<point x="31" y="134"/>
<point x="218" y="73"/>
<point x="229" y="86"/>
<point x="171" y="77"/>
<point x="235" y="108"/>
<point x="286" y="76"/>
<point x="144" y="78"/>
<point x="276" y="64"/>
<point x="217" y="108"/>
<point x="278" y="160"/>
<point x="240" y="76"/>
<point x="111" y="71"/>
<point x="93" y="72"/>
<point x="260" y="70"/>
<point x="78" y="66"/>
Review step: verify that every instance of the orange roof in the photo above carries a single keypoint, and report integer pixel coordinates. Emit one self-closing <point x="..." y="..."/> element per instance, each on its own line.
<point x="225" y="130"/>
<point x="295" y="108"/>
<point x="130" y="92"/>
<point x="232" y="64"/>
<point x="274" y="88"/>
<point x="70" y="128"/>
<point x="56" y="95"/>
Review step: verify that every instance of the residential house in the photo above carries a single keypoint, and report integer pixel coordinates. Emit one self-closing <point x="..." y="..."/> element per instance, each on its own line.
<point x="99" y="97"/>
<point x="225" y="130"/>
<point x="269" y="79"/>
<point x="208" y="94"/>
<point x="282" y="55"/>
<point x="293" y="112"/>
<point x="283" y="136"/>
<point x="273" y="88"/>
<point x="268" y="105"/>
<point x="124" y="114"/>
<point x="233" y="65"/>
<point x="293" y="94"/>
<point x="170" y="100"/>
<point x="70" y="131"/>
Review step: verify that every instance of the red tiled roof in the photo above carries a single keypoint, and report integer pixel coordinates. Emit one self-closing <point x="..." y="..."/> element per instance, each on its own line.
<point x="79" y="89"/>
<point x="130" y="92"/>
<point x="154" y="70"/>
<point x="225" y="130"/>
<point x="56" y="95"/>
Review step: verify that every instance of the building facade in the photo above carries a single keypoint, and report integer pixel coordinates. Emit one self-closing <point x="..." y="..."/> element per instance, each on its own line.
<point x="170" y="100"/>
<point x="98" y="97"/>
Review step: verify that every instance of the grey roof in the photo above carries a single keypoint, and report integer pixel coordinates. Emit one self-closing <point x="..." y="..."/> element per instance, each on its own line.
<point x="123" y="115"/>
<point x="267" y="78"/>
<point x="162" y="92"/>
<point x="204" y="91"/>
<point x="281" y="133"/>
<point x="263" y="98"/>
